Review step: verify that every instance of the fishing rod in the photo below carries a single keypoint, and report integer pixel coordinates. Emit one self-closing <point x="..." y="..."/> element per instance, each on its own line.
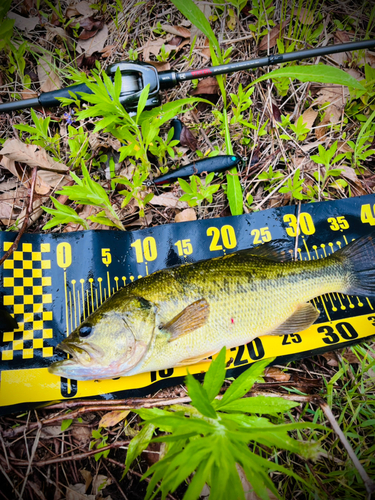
<point x="136" y="75"/>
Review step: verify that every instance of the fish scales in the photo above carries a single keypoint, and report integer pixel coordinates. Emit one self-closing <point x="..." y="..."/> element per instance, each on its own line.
<point x="248" y="297"/>
<point x="182" y="315"/>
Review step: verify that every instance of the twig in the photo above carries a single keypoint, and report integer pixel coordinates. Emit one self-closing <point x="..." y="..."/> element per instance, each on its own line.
<point x="9" y="433"/>
<point x="114" y="480"/>
<point x="119" y="464"/>
<point x="9" y="481"/>
<point x="33" y="451"/>
<point x="80" y="456"/>
<point x="25" y="220"/>
<point x="369" y="483"/>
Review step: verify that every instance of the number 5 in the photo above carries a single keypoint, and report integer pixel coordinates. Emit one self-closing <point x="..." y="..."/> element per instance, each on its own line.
<point x="106" y="256"/>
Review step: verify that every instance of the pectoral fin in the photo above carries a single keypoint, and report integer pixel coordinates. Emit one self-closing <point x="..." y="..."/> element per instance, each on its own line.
<point x="192" y="317"/>
<point x="302" y="318"/>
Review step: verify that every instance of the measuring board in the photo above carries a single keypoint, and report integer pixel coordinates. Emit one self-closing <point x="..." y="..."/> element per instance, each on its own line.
<point x="53" y="281"/>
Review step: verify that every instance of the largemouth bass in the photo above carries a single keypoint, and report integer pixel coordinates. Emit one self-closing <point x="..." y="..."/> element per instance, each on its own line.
<point x="182" y="315"/>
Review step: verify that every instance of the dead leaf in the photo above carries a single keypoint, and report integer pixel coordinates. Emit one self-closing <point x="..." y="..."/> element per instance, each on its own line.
<point x="273" y="36"/>
<point x="99" y="483"/>
<point x="87" y="477"/>
<point x="77" y="492"/>
<point x="351" y="357"/>
<point x="168" y="200"/>
<point x="6" y="210"/>
<point x="160" y="66"/>
<point x="94" y="44"/>
<point x="206" y="86"/>
<point x="309" y="117"/>
<point x="32" y="155"/>
<point x="334" y="94"/>
<point x="55" y="31"/>
<point x="80" y="434"/>
<point x="50" y="432"/>
<point x="90" y="27"/>
<point x="331" y="358"/>
<point x="342" y="147"/>
<point x="108" y="51"/>
<point x="332" y="115"/>
<point x="27" y="6"/>
<point x="112" y="418"/>
<point x="49" y="80"/>
<point x="306" y="16"/>
<point x="176" y="30"/>
<point x="84" y="8"/>
<point x="188" y="140"/>
<point x="24" y="23"/>
<point x="348" y="173"/>
<point x="29" y="94"/>
<point x="341" y="37"/>
<point x="276" y="374"/>
<point x="341" y="58"/>
<point x="154" y="46"/>
<point x="186" y="215"/>
<point x="276" y="113"/>
<point x="311" y="145"/>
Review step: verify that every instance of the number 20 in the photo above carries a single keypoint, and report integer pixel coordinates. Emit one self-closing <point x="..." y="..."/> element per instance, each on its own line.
<point x="228" y="237"/>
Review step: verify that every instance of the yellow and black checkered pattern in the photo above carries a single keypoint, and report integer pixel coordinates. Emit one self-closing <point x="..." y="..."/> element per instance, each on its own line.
<point x="27" y="298"/>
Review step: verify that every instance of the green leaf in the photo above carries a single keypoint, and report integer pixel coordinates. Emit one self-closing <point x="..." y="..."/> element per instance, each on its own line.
<point x="189" y="9"/>
<point x="185" y="186"/>
<point x="65" y="424"/>
<point x="259" y="404"/>
<point x="243" y="383"/>
<point x="142" y="101"/>
<point x="314" y="73"/>
<point x="137" y="445"/>
<point x="234" y="192"/>
<point x="215" y="376"/>
<point x="199" y="397"/>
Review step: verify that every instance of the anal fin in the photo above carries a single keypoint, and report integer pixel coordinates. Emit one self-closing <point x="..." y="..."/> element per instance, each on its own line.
<point x="196" y="359"/>
<point x="303" y="317"/>
<point x="189" y="319"/>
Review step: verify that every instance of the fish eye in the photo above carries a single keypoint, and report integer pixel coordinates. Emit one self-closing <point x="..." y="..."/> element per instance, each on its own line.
<point x="85" y="330"/>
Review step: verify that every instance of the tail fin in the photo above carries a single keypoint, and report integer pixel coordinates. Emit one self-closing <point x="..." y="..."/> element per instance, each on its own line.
<point x="359" y="259"/>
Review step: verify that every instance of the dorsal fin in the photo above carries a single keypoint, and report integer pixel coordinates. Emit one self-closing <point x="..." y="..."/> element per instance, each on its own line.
<point x="275" y="250"/>
<point x="189" y="319"/>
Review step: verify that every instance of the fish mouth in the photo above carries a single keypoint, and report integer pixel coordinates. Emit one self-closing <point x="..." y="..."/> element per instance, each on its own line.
<point x="81" y="353"/>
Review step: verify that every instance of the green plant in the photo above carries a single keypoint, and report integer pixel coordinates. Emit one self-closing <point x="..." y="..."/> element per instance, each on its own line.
<point x="163" y="55"/>
<point x="362" y="144"/>
<point x="198" y="189"/>
<point x="300" y="129"/>
<point x="98" y="443"/>
<point x="86" y="192"/>
<point x="6" y="24"/>
<point x="325" y="157"/>
<point x="62" y="214"/>
<point x="138" y="133"/>
<point x="262" y="11"/>
<point x="40" y="134"/>
<point x="136" y="190"/>
<point x="189" y="9"/>
<point x="242" y="102"/>
<point x="294" y="186"/>
<point x="270" y="177"/>
<point x="212" y="435"/>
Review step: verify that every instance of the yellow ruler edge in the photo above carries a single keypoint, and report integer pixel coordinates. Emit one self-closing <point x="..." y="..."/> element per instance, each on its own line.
<point x="38" y="385"/>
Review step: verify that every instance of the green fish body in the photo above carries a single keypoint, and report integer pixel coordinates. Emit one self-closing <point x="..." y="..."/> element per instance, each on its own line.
<point x="181" y="315"/>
